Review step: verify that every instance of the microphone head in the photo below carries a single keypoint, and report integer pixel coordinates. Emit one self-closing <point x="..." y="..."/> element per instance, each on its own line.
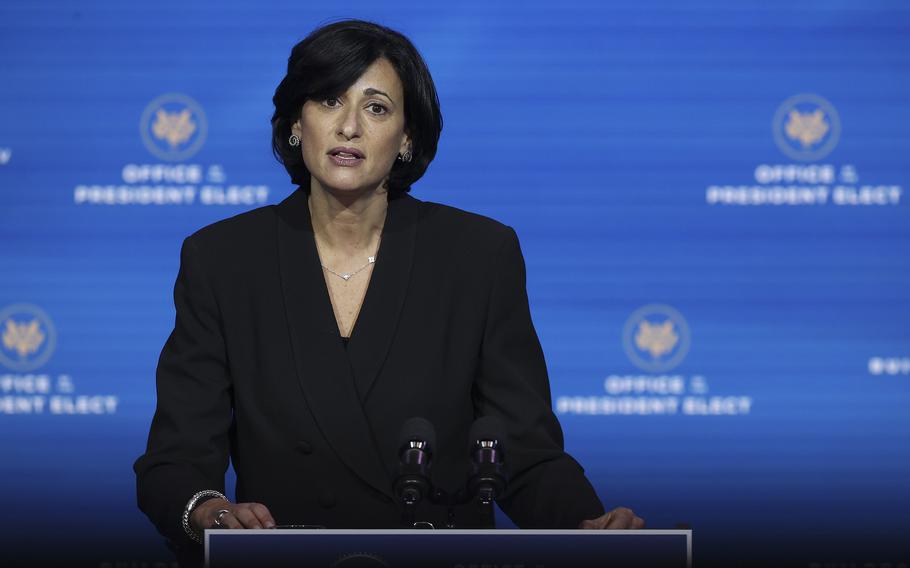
<point x="417" y="429"/>
<point x="487" y="428"/>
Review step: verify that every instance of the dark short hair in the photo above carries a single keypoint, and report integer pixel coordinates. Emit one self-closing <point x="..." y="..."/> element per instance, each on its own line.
<point x="327" y="62"/>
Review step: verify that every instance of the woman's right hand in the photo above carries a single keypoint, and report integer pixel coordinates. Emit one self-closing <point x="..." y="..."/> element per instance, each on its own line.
<point x="240" y="516"/>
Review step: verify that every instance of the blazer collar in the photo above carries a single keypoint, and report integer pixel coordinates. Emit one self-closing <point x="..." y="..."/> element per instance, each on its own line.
<point x="336" y="383"/>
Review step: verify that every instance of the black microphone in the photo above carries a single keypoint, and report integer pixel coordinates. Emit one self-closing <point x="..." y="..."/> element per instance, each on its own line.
<point x="416" y="444"/>
<point x="488" y="478"/>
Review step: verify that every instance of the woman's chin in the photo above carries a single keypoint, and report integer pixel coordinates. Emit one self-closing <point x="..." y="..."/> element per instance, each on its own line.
<point x="349" y="187"/>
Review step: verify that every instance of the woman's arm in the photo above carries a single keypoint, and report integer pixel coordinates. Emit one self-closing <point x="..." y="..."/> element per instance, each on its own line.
<point x="188" y="444"/>
<point x="548" y="487"/>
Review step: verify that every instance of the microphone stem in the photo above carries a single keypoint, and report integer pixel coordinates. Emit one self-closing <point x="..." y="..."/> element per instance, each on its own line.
<point x="486" y="502"/>
<point x="409" y="516"/>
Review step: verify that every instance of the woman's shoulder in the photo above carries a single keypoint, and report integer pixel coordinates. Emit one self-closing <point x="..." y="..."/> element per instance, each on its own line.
<point x="245" y="227"/>
<point x="455" y="224"/>
<point x="465" y="245"/>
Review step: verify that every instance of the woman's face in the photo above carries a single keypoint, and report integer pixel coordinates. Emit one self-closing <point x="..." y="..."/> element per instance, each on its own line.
<point x="367" y="120"/>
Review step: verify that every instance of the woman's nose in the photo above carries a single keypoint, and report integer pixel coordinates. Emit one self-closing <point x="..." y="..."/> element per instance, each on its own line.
<point x="349" y="125"/>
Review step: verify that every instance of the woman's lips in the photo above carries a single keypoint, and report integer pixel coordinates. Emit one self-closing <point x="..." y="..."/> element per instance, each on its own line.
<point x="346" y="156"/>
<point x="345" y="160"/>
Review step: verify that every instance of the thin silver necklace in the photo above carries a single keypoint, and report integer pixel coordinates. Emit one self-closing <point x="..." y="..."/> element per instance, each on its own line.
<point x="347" y="275"/>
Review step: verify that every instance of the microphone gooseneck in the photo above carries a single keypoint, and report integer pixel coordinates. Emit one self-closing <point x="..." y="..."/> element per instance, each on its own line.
<point x="487" y="482"/>
<point x="488" y="479"/>
<point x="416" y="443"/>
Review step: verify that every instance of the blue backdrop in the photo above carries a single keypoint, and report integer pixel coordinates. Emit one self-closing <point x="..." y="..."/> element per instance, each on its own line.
<point x="709" y="196"/>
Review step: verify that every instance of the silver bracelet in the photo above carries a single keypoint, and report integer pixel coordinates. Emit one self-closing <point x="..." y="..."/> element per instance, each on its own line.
<point x="190" y="505"/>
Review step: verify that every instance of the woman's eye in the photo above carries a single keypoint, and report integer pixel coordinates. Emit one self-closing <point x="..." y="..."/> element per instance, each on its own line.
<point x="377" y="108"/>
<point x="330" y="102"/>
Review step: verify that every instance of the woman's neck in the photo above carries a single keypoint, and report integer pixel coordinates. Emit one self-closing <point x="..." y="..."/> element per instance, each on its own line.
<point x="348" y="224"/>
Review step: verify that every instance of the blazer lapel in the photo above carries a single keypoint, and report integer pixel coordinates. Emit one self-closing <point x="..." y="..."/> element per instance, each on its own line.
<point x="377" y="321"/>
<point x="322" y="366"/>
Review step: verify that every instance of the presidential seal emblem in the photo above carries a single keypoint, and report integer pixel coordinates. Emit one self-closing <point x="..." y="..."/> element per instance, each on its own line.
<point x="173" y="127"/>
<point x="656" y="338"/>
<point x="806" y="127"/>
<point x="28" y="337"/>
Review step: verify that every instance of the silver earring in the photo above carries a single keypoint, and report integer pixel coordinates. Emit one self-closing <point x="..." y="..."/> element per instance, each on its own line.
<point x="406" y="157"/>
<point x="294" y="140"/>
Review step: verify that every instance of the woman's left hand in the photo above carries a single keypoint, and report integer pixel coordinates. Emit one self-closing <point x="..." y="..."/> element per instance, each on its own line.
<point x="618" y="518"/>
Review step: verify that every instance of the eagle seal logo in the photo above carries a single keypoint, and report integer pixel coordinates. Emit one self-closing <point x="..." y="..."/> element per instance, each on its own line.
<point x="173" y="127"/>
<point x="806" y="127"/>
<point x="656" y="338"/>
<point x="27" y="337"/>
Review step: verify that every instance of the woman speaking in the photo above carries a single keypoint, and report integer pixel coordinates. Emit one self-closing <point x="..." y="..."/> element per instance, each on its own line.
<point x="308" y="332"/>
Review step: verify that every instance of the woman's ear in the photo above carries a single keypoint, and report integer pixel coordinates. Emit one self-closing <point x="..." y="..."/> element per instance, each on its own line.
<point x="405" y="144"/>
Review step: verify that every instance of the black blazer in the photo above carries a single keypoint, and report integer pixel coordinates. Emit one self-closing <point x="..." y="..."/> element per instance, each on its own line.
<point x="255" y="371"/>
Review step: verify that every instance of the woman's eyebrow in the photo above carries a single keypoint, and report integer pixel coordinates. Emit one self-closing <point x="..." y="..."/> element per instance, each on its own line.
<point x="370" y="91"/>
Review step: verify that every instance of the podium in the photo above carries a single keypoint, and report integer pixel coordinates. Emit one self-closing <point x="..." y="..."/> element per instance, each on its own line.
<point x="449" y="548"/>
